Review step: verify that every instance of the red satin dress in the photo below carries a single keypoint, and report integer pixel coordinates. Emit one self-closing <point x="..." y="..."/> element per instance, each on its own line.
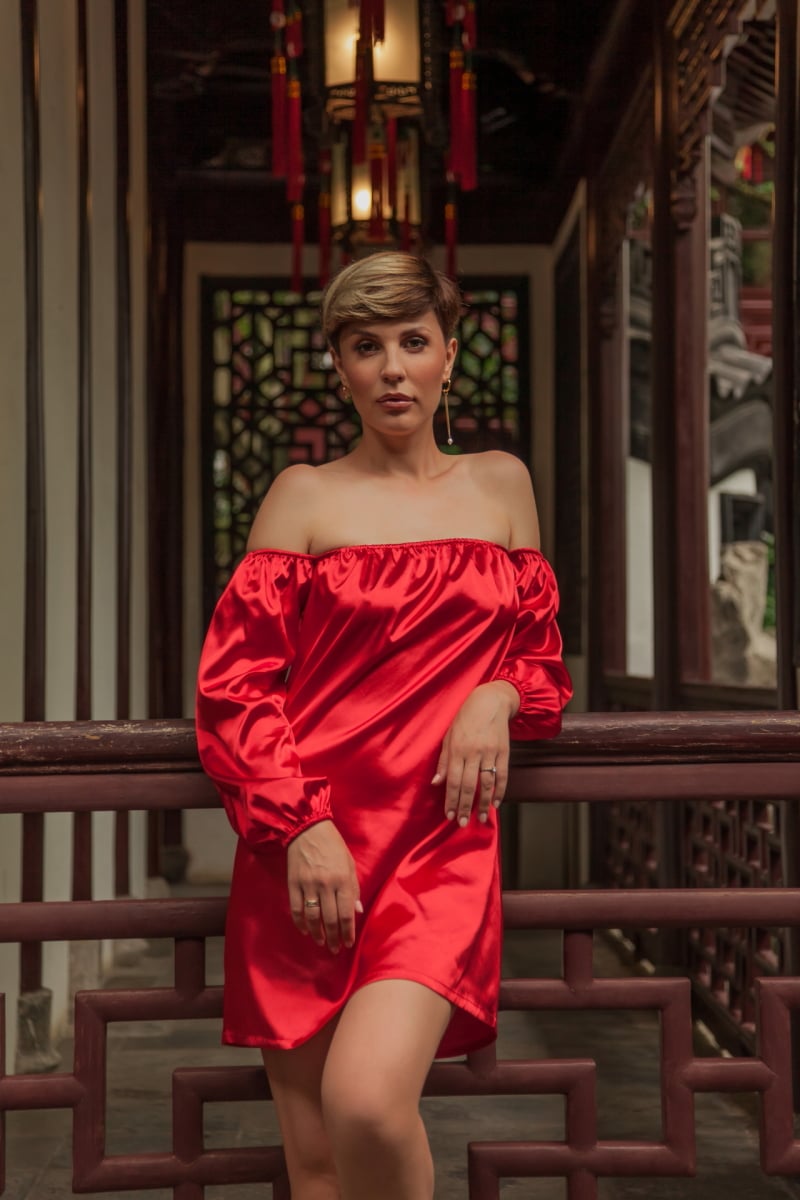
<point x="326" y="686"/>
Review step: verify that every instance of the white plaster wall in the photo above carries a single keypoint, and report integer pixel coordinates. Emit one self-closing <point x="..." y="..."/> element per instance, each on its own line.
<point x="207" y="836"/>
<point x="12" y="460"/>
<point x="639" y="562"/>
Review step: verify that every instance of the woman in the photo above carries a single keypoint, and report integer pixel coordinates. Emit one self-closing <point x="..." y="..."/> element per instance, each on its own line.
<point x="403" y="591"/>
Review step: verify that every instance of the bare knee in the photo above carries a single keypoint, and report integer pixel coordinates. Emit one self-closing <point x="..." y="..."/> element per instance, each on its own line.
<point x="365" y="1113"/>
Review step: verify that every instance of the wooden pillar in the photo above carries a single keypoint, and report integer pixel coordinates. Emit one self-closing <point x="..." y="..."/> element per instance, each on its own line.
<point x="666" y="676"/>
<point x="124" y="420"/>
<point x="786" y="354"/>
<point x="35" y="532"/>
<point x="786" y="414"/>
<point x="82" y="822"/>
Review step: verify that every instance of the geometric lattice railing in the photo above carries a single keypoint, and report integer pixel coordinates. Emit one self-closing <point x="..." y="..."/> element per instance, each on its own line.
<point x="597" y="759"/>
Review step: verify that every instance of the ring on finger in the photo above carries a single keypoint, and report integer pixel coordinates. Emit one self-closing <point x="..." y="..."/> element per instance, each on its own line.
<point x="491" y="770"/>
<point x="311" y="903"/>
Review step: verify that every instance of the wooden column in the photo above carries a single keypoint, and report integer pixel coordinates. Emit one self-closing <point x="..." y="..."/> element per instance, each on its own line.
<point x="665" y="468"/>
<point x="35" y="531"/>
<point x="124" y="420"/>
<point x="786" y="414"/>
<point x="82" y="822"/>
<point x="692" y="424"/>
<point x="786" y="354"/>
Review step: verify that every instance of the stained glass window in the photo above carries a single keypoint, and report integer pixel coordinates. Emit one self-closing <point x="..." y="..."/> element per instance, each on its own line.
<point x="269" y="396"/>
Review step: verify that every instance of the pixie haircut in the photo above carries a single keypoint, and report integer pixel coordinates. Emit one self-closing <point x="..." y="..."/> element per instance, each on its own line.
<point x="390" y="286"/>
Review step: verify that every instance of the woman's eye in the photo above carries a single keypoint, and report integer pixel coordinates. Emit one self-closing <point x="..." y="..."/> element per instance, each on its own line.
<point x="365" y="347"/>
<point x="416" y="343"/>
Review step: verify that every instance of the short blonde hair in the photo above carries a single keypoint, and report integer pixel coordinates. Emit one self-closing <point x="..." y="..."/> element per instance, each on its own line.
<point x="389" y="286"/>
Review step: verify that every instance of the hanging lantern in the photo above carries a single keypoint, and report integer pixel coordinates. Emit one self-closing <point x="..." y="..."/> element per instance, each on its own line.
<point x="373" y="101"/>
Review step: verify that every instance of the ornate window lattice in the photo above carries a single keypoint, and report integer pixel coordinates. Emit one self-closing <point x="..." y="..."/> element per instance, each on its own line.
<point x="269" y="396"/>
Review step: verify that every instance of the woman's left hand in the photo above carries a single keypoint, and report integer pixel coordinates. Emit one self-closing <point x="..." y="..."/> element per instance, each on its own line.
<point x="476" y="742"/>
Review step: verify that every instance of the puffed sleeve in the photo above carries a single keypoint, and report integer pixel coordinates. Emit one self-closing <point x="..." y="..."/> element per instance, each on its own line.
<point x="245" y="742"/>
<point x="533" y="662"/>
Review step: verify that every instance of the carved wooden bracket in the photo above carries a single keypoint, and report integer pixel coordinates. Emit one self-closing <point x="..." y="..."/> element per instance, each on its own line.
<point x="704" y="32"/>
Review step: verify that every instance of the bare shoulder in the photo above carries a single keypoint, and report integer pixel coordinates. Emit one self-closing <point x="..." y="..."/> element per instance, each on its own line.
<point x="506" y="478"/>
<point x="497" y="467"/>
<point x="286" y="515"/>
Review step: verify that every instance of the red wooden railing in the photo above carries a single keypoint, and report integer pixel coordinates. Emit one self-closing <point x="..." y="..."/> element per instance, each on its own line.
<point x="600" y="759"/>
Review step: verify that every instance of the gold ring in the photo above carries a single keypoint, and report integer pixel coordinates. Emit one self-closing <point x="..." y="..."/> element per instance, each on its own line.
<point x="312" y="903"/>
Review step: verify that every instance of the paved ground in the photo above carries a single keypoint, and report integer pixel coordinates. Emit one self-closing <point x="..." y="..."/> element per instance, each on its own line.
<point x="625" y="1047"/>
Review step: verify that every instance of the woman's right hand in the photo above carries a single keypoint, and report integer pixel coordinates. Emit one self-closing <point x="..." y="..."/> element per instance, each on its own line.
<point x="320" y="867"/>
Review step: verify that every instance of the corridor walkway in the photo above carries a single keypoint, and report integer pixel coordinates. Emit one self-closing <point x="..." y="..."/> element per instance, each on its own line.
<point x="142" y="1057"/>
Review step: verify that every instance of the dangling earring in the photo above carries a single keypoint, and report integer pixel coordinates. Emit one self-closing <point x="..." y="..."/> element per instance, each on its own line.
<point x="345" y="390"/>
<point x="445" y="394"/>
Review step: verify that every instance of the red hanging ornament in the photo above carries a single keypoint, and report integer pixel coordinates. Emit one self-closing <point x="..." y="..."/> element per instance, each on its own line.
<point x="294" y="165"/>
<point x="405" y="227"/>
<point x="362" y="98"/>
<point x="324" y="216"/>
<point x="391" y="164"/>
<point x="451" y="235"/>
<point x="456" y="112"/>
<point x="279" y="149"/>
<point x="377" y="228"/>
<point x="470" y="25"/>
<point x="298" y="232"/>
<point x="294" y="31"/>
<point x="469" y="134"/>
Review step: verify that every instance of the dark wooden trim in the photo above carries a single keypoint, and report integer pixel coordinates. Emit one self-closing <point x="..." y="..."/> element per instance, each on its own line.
<point x="124" y="417"/>
<point x="692" y="434"/>
<point x="124" y="398"/>
<point x="83" y="645"/>
<point x="665" y="506"/>
<point x="35" y="514"/>
<point x="786" y="313"/>
<point x="82" y="822"/>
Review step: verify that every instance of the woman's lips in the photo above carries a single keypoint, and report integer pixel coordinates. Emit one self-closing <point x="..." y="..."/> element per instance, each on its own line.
<point x="395" y="400"/>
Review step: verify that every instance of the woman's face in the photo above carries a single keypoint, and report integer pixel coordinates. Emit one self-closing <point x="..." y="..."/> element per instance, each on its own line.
<point x="395" y="371"/>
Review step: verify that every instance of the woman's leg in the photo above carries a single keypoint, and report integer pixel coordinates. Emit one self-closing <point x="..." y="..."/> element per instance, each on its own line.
<point x="295" y="1078"/>
<point x="375" y="1070"/>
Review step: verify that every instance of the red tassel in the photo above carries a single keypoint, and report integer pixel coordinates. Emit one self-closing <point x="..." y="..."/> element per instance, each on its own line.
<point x="405" y="228"/>
<point x="456" y="112"/>
<point x="451" y="236"/>
<point x="294" y="164"/>
<point x="360" y="119"/>
<point x="324" y="216"/>
<point x="377" y="229"/>
<point x="298" y="222"/>
<point x="469" y="134"/>
<point x="278" y="72"/>
<point x="324" y="238"/>
<point x="378" y="20"/>
<point x="391" y="160"/>
<point x="470" y="25"/>
<point x="294" y="32"/>
<point x="372" y="24"/>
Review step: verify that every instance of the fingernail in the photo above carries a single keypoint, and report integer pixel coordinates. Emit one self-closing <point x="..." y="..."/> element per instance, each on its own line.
<point x="451" y="816"/>
<point x="437" y="778"/>
<point x="359" y="906"/>
<point x="483" y="817"/>
<point x="463" y="821"/>
<point x="496" y="803"/>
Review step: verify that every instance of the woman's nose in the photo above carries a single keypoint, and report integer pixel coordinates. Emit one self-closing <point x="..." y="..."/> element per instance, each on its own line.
<point x="392" y="366"/>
